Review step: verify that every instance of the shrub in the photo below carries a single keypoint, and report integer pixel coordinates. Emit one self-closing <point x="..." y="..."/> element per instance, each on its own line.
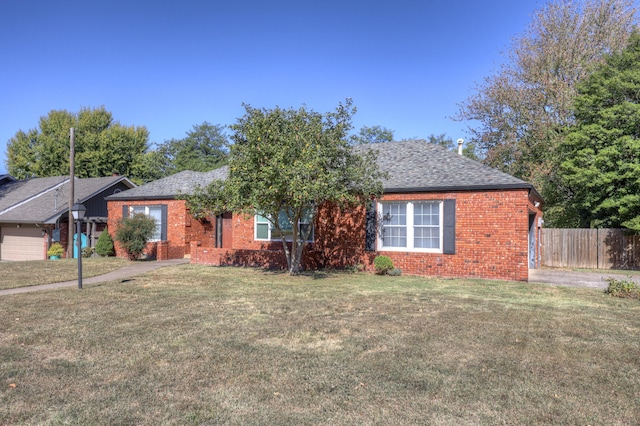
<point x="395" y="272"/>
<point x="383" y="264"/>
<point x="354" y="268"/>
<point x="104" y="245"/>
<point x="87" y="252"/>
<point x="623" y="288"/>
<point x="55" y="250"/>
<point x="134" y="232"/>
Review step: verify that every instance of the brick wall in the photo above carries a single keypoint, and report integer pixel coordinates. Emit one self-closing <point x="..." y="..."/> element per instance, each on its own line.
<point x="181" y="229"/>
<point x="492" y="239"/>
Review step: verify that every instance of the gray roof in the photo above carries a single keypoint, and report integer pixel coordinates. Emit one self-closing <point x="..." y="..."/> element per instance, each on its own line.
<point x="44" y="200"/>
<point x="171" y="186"/>
<point x="422" y="166"/>
<point x="412" y="166"/>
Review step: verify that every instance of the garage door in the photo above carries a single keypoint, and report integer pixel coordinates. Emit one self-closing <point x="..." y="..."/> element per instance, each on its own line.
<point x="24" y="243"/>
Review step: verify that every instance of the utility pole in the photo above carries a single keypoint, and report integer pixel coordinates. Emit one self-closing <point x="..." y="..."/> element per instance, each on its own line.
<point x="72" y="156"/>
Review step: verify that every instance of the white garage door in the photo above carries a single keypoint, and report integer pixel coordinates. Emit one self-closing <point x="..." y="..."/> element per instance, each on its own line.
<point x="24" y="243"/>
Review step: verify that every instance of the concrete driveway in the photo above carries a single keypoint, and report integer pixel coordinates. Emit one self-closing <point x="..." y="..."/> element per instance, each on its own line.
<point x="575" y="279"/>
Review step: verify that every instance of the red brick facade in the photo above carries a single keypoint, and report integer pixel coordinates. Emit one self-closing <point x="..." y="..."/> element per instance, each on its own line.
<point x="181" y="229"/>
<point x="492" y="239"/>
<point x="492" y="233"/>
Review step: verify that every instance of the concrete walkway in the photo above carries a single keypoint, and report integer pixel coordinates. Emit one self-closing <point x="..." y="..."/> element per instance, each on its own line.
<point x="575" y="279"/>
<point x="136" y="268"/>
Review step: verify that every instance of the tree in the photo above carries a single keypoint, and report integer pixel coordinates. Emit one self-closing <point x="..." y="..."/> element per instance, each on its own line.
<point x="205" y="148"/>
<point x="522" y="109"/>
<point x="134" y="232"/>
<point x="284" y="164"/>
<point x="601" y="165"/>
<point x="374" y="134"/>
<point x="104" y="245"/>
<point x="153" y="165"/>
<point x="102" y="146"/>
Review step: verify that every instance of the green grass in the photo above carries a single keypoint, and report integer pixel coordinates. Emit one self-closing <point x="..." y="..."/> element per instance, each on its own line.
<point x="197" y="345"/>
<point x="23" y="274"/>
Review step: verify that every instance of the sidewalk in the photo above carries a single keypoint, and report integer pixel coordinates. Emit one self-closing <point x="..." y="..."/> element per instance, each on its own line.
<point x="136" y="268"/>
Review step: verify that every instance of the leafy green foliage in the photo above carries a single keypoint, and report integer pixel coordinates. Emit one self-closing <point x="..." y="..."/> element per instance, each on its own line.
<point x="373" y="134"/>
<point x="601" y="166"/>
<point x="56" y="249"/>
<point x="205" y="148"/>
<point x="102" y="146"/>
<point x="519" y="113"/>
<point x="622" y="288"/>
<point x="134" y="232"/>
<point x="292" y="161"/>
<point x="104" y="245"/>
<point x="87" y="252"/>
<point x="395" y="272"/>
<point x="382" y="264"/>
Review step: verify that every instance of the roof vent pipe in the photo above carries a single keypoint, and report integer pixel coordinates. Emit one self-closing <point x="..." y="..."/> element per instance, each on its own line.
<point x="460" y="142"/>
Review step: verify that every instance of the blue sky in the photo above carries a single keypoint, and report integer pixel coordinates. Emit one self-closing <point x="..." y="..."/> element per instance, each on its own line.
<point x="173" y="64"/>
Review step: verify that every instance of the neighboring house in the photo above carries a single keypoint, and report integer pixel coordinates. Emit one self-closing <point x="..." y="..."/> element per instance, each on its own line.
<point x="6" y="179"/>
<point x="441" y="214"/>
<point x="34" y="212"/>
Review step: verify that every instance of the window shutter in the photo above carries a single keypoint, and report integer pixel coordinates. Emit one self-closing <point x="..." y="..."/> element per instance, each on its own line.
<point x="449" y="231"/>
<point x="218" y="231"/>
<point x="125" y="211"/>
<point x="163" y="222"/>
<point x="371" y="234"/>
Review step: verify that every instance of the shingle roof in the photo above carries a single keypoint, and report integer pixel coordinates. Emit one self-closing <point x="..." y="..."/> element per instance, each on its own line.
<point x="412" y="166"/>
<point x="169" y="187"/>
<point x="422" y="166"/>
<point x="43" y="200"/>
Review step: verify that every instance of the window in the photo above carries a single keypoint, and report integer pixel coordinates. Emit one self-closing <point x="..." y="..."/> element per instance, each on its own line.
<point x="411" y="225"/>
<point x="264" y="230"/>
<point x="159" y="213"/>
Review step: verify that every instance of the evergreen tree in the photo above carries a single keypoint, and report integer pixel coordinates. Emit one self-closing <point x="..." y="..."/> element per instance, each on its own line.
<point x="601" y="166"/>
<point x="104" y="245"/>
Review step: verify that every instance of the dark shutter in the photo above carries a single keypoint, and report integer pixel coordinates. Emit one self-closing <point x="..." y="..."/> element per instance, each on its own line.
<point x="125" y="211"/>
<point x="163" y="222"/>
<point x="218" y="231"/>
<point x="371" y="234"/>
<point x="449" y="231"/>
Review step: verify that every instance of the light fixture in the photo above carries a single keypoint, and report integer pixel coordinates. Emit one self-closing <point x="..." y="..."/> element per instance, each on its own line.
<point x="78" y="211"/>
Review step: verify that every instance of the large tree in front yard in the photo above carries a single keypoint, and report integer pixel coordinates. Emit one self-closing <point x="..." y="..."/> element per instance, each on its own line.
<point x="284" y="163"/>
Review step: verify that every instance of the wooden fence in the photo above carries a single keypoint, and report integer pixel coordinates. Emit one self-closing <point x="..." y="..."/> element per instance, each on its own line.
<point x="590" y="248"/>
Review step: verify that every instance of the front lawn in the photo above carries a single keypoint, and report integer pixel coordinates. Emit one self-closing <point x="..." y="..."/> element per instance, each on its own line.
<point x="36" y="272"/>
<point x="197" y="345"/>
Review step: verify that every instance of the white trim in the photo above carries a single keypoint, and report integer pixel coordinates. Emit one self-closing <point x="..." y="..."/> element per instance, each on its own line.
<point x="146" y="207"/>
<point x="410" y="227"/>
<point x="270" y="227"/>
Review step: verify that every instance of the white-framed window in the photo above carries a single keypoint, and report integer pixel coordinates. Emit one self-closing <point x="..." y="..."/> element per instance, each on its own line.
<point x="155" y="212"/>
<point x="264" y="230"/>
<point x="411" y="226"/>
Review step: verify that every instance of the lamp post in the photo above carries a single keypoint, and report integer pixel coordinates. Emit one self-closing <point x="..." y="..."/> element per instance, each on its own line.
<point x="78" y="210"/>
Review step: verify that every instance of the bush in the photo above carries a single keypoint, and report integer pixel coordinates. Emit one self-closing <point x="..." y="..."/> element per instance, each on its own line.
<point x="395" y="272"/>
<point x="55" y="250"/>
<point x="623" y="288"/>
<point x="134" y="232"/>
<point x="383" y="264"/>
<point x="104" y="245"/>
<point x="87" y="252"/>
